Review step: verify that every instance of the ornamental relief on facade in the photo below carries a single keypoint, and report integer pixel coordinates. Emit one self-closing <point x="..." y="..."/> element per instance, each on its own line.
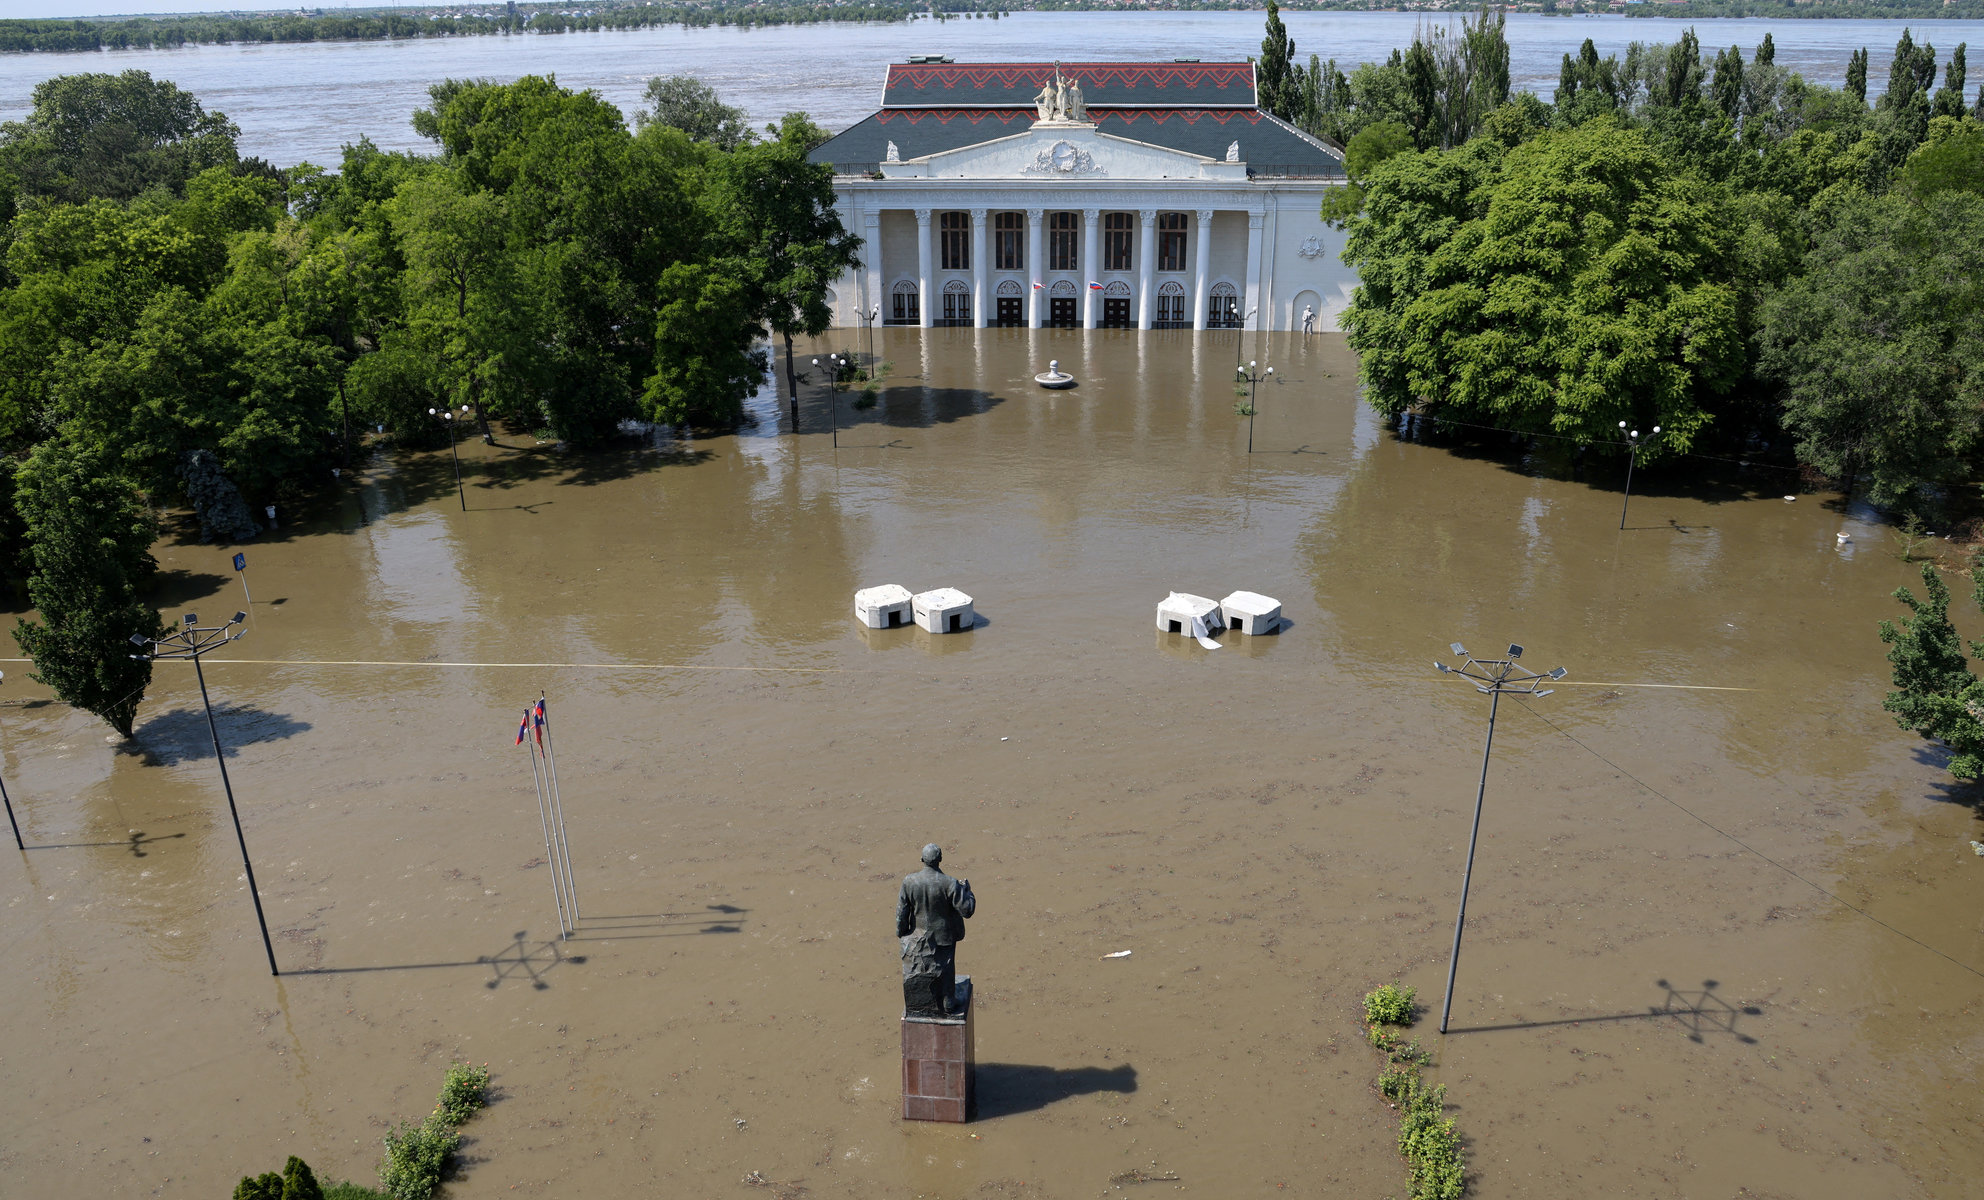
<point x="1063" y="158"/>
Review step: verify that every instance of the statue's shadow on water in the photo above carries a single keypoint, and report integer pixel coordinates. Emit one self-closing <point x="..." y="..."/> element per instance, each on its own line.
<point x="1698" y="1010"/>
<point x="1008" y="1088"/>
<point x="180" y="735"/>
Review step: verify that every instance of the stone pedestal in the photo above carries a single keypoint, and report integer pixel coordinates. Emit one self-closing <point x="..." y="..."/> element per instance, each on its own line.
<point x="938" y="1065"/>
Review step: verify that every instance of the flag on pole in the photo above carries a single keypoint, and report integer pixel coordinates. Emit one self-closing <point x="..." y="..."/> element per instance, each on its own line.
<point x="1093" y="286"/>
<point x="523" y="728"/>
<point x="1036" y="285"/>
<point x="537" y="714"/>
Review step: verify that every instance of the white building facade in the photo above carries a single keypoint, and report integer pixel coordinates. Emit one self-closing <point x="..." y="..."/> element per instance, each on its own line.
<point x="1119" y="195"/>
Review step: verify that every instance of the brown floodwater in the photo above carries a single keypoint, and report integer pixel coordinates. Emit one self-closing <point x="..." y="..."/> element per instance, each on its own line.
<point x="1655" y="998"/>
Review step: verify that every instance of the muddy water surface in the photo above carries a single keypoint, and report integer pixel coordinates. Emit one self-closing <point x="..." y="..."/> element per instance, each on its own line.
<point x="1654" y="998"/>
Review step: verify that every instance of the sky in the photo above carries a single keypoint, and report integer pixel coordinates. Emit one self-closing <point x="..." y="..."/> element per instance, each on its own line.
<point x="102" y="8"/>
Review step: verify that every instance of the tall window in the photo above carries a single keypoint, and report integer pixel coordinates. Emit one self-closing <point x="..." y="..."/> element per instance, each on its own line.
<point x="1062" y="230"/>
<point x="954" y="229"/>
<point x="957" y="304"/>
<point x="1170" y="305"/>
<point x="1171" y="241"/>
<point x="1116" y="241"/>
<point x="1009" y="241"/>
<point x="904" y="306"/>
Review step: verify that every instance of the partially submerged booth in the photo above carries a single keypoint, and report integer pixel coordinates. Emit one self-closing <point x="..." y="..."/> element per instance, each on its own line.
<point x="1252" y="613"/>
<point x="943" y="610"/>
<point x="885" y="607"/>
<point x="1182" y="612"/>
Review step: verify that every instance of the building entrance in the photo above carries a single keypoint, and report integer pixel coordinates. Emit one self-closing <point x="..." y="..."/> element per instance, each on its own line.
<point x="1061" y="312"/>
<point x="1010" y="311"/>
<point x="1115" y="313"/>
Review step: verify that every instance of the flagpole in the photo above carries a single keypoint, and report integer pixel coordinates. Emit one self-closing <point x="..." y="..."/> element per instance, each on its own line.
<point x="558" y="807"/>
<point x="544" y="824"/>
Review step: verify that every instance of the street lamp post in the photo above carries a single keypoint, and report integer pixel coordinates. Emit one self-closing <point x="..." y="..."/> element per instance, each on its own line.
<point x="1240" y="337"/>
<point x="834" y="364"/>
<point x="10" y="806"/>
<point x="191" y="641"/>
<point x="447" y="418"/>
<point x="1491" y="677"/>
<point x="869" y="316"/>
<point x="1252" y="379"/>
<point x="1633" y="444"/>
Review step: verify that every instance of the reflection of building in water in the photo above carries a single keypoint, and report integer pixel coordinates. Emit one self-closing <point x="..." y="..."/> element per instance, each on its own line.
<point x="1085" y="195"/>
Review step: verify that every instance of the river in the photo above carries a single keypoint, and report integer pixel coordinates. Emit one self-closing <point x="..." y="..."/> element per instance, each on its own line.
<point x="302" y="102"/>
<point x="1655" y="998"/>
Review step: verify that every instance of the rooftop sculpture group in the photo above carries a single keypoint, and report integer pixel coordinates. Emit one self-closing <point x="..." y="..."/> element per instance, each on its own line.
<point x="1060" y="100"/>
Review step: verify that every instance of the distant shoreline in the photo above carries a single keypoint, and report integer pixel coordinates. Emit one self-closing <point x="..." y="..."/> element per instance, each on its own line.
<point x="507" y="18"/>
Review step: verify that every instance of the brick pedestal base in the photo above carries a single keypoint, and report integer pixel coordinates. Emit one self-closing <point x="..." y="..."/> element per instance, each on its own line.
<point x="938" y="1065"/>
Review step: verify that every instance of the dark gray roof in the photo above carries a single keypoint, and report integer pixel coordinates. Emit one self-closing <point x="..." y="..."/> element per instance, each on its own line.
<point x="1269" y="145"/>
<point x="1111" y="85"/>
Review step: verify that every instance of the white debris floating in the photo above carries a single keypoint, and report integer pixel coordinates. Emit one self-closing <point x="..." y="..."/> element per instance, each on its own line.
<point x="885" y="607"/>
<point x="1182" y="612"/>
<point x="944" y="610"/>
<point x="1252" y="613"/>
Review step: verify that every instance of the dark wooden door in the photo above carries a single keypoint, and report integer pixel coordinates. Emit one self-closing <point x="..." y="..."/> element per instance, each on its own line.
<point x="1010" y="311"/>
<point x="1115" y="312"/>
<point x="1061" y="313"/>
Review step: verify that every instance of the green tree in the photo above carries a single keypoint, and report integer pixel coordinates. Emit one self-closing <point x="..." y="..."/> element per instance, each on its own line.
<point x="1879" y="344"/>
<point x="704" y="363"/>
<point x="1936" y="695"/>
<point x="112" y="136"/>
<point x="772" y="213"/>
<point x="686" y="103"/>
<point x="1856" y="75"/>
<point x="1276" y="78"/>
<point x="91" y="543"/>
<point x="1572" y="282"/>
<point x="1372" y="145"/>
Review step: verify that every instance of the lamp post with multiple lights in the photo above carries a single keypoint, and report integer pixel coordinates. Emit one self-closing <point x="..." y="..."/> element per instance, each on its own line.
<point x="447" y="418"/>
<point x="1633" y="444"/>
<point x="190" y="640"/>
<point x="1491" y="677"/>
<point x="1252" y="378"/>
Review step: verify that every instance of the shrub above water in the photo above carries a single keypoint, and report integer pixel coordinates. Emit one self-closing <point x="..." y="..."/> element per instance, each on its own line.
<point x="1391" y="1004"/>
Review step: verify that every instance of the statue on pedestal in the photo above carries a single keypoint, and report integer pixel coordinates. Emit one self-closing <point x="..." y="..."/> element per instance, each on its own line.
<point x="1060" y="100"/>
<point x="930" y="915"/>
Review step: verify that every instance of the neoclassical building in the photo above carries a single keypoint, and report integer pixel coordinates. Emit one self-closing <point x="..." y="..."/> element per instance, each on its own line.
<point x="1085" y="195"/>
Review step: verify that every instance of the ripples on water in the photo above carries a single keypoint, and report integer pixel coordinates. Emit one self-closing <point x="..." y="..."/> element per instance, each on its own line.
<point x="304" y="101"/>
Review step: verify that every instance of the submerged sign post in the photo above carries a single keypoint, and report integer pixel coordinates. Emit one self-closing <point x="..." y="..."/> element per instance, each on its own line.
<point x="241" y="569"/>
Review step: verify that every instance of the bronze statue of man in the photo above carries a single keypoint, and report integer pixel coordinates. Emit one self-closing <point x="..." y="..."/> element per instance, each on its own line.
<point x="930" y="916"/>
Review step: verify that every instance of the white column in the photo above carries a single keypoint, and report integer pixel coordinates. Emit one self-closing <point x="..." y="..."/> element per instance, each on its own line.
<point x="1202" y="283"/>
<point x="871" y="225"/>
<point x="1253" y="299"/>
<point x="1146" y="255"/>
<point x="1091" y="265"/>
<point x="978" y="219"/>
<point x="924" y="295"/>
<point x="1033" y="271"/>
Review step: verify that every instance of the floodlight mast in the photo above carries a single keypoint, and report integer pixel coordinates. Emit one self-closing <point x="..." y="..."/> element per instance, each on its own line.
<point x="1492" y="677"/>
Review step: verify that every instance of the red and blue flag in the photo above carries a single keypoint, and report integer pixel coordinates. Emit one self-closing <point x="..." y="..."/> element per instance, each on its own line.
<point x="537" y="715"/>
<point x="523" y="728"/>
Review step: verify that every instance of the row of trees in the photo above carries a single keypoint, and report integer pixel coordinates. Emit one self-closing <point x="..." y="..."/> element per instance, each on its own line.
<point x="181" y="325"/>
<point x="1717" y="247"/>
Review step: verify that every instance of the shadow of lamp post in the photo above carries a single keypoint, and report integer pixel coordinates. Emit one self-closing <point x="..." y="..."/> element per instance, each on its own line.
<point x="1491" y="677"/>
<point x="1252" y="379"/>
<point x="1633" y="444"/>
<point x="1240" y="334"/>
<point x="447" y="418"/>
<point x="191" y="641"/>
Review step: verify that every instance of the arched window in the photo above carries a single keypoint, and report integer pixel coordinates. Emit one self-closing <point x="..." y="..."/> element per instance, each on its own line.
<point x="905" y="304"/>
<point x="1223" y="307"/>
<point x="1171" y="241"/>
<point x="1117" y="288"/>
<point x="1062" y="287"/>
<point x="1062" y="230"/>
<point x="1008" y="287"/>
<point x="1116" y="241"/>
<point x="954" y="232"/>
<point x="957" y="303"/>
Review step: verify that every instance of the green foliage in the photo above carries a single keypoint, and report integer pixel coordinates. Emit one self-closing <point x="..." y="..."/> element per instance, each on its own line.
<point x="1431" y="1147"/>
<point x="1878" y="345"/>
<point x="1936" y="694"/>
<point x="704" y="361"/>
<point x="91" y="544"/>
<point x="416" y="1156"/>
<point x="1277" y="80"/>
<point x="1391" y="1004"/>
<point x="348" y="1190"/>
<point x="216" y="501"/>
<point x="1563" y="286"/>
<point x="686" y="103"/>
<point x="464" y="1091"/>
<point x="113" y="137"/>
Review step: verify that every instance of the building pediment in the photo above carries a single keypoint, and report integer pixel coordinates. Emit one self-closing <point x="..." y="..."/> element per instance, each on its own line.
<point x="1063" y="150"/>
